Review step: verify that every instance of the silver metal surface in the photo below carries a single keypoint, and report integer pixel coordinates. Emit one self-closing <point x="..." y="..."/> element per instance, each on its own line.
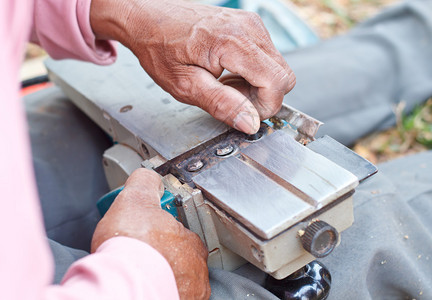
<point x="344" y="157"/>
<point x="123" y="94"/>
<point x="229" y="243"/>
<point x="305" y="173"/>
<point x="303" y="123"/>
<point x="252" y="198"/>
<point x="274" y="183"/>
<point x="253" y="201"/>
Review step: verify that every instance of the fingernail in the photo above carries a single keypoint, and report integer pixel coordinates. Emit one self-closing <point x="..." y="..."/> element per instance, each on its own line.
<point x="246" y="122"/>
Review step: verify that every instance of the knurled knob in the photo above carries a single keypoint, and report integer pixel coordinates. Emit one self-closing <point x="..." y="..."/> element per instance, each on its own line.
<point x="319" y="238"/>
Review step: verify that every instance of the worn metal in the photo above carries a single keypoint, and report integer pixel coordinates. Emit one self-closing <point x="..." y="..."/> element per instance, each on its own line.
<point x="312" y="177"/>
<point x="247" y="197"/>
<point x="256" y="136"/>
<point x="305" y="125"/>
<point x="124" y="101"/>
<point x="207" y="153"/>
<point x="283" y="254"/>
<point x="225" y="150"/>
<point x="268" y="190"/>
<point x="343" y="156"/>
<point x="195" y="165"/>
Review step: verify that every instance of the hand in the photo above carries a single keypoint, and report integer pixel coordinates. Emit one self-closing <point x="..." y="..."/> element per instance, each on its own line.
<point x="186" y="46"/>
<point x="137" y="213"/>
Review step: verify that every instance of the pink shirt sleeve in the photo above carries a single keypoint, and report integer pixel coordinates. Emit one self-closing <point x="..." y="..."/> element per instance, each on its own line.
<point x="122" y="268"/>
<point x="62" y="28"/>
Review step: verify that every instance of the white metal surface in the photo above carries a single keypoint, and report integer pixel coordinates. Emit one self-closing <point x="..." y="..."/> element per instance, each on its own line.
<point x="274" y="183"/>
<point x="124" y="101"/>
<point x="247" y="206"/>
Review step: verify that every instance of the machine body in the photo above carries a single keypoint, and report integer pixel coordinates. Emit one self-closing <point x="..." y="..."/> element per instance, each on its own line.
<point x="277" y="199"/>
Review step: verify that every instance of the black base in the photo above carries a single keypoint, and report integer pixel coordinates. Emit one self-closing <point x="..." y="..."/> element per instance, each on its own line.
<point x="312" y="282"/>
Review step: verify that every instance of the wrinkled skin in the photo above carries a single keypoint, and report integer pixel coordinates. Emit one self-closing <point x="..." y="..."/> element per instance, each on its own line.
<point x="137" y="213"/>
<point x="185" y="47"/>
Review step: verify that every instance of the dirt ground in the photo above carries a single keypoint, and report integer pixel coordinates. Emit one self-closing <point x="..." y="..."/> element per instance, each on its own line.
<point x="333" y="17"/>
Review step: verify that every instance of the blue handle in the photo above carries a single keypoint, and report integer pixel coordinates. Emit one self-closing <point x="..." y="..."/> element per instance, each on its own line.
<point x="167" y="202"/>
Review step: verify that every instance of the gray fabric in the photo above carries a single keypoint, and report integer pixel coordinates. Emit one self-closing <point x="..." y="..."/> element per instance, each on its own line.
<point x="387" y="253"/>
<point x="229" y="285"/>
<point x="351" y="83"/>
<point x="67" y="155"/>
<point x="63" y="257"/>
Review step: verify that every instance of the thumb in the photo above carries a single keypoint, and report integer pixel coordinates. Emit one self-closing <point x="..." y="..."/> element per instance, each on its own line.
<point x="141" y="194"/>
<point x="143" y="188"/>
<point x="224" y="102"/>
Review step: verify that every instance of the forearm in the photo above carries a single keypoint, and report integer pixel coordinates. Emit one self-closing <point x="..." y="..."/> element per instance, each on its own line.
<point x="121" y="268"/>
<point x="109" y="18"/>
<point x="116" y="20"/>
<point x="62" y="28"/>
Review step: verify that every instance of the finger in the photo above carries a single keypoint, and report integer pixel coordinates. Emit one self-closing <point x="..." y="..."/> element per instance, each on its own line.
<point x="251" y="92"/>
<point x="143" y="188"/>
<point x="261" y="71"/>
<point x="261" y="37"/>
<point x="269" y="48"/>
<point x="240" y="84"/>
<point x="221" y="101"/>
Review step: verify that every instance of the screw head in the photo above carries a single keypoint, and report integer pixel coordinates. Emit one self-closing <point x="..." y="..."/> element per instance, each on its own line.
<point x="256" y="136"/>
<point x="195" y="165"/>
<point x="224" y="150"/>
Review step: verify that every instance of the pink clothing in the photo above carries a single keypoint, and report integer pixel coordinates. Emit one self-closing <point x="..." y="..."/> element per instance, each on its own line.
<point x="122" y="268"/>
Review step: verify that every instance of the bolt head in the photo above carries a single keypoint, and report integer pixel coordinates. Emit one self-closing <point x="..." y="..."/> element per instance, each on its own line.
<point x="225" y="150"/>
<point x="195" y="165"/>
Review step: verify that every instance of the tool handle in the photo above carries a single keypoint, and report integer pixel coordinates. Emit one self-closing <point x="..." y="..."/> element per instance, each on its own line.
<point x="167" y="202"/>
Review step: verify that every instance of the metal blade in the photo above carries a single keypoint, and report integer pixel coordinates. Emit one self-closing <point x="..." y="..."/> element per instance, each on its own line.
<point x="305" y="124"/>
<point x="274" y="183"/>
<point x="343" y="156"/>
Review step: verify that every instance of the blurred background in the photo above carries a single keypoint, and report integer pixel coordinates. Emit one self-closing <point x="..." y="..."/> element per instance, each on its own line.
<point x="413" y="132"/>
<point x="328" y="18"/>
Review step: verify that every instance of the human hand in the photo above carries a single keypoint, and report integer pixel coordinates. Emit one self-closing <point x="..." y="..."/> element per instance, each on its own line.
<point x="136" y="213"/>
<point x="186" y="46"/>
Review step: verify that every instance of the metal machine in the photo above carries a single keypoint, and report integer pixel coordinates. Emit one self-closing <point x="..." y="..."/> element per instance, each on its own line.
<point x="277" y="199"/>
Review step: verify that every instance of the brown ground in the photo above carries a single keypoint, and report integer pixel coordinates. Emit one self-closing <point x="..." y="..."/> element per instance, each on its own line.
<point x="333" y="17"/>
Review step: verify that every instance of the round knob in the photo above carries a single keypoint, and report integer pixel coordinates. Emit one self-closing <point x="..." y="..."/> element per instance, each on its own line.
<point x="311" y="282"/>
<point x="319" y="238"/>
